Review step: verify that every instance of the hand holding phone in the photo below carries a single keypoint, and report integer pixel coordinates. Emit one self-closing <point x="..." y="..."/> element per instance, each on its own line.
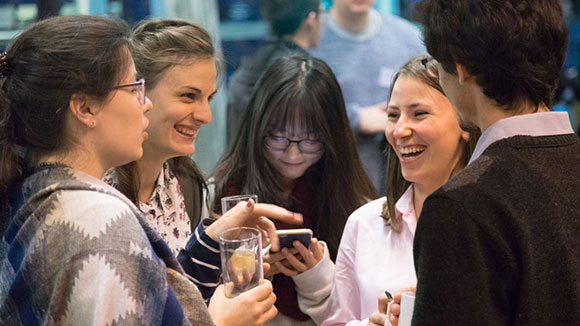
<point x="287" y="237"/>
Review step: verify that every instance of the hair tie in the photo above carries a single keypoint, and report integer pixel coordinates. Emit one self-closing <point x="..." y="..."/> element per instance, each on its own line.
<point x="4" y="65"/>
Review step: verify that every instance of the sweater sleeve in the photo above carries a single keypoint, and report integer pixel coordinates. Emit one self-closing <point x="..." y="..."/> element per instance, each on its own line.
<point x="353" y="116"/>
<point x="313" y="288"/>
<point x="344" y="303"/>
<point x="458" y="268"/>
<point x="201" y="260"/>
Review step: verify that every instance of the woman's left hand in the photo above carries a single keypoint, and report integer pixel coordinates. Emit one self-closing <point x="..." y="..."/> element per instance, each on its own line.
<point x="307" y="260"/>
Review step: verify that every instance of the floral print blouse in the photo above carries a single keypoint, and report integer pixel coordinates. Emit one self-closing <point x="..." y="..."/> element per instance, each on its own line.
<point x="165" y="210"/>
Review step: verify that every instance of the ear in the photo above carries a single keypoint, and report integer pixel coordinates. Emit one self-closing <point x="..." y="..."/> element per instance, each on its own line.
<point x="462" y="73"/>
<point x="83" y="109"/>
<point x="465" y="136"/>
<point x="310" y="19"/>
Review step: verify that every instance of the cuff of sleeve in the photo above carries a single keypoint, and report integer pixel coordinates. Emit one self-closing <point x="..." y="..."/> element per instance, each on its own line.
<point x="203" y="236"/>
<point x="318" y="277"/>
<point x="353" y="116"/>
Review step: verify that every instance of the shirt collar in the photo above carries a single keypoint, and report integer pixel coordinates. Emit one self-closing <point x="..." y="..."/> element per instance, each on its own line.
<point x="535" y="124"/>
<point x="405" y="210"/>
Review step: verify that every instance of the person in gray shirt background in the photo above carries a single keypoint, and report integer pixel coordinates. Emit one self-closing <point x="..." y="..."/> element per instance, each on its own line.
<point x="364" y="49"/>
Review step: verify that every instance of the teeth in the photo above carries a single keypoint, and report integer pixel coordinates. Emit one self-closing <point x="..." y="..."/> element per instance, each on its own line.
<point x="411" y="150"/>
<point x="186" y="131"/>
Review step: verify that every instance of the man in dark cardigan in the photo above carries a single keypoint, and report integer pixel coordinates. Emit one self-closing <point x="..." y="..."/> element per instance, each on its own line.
<point x="499" y="244"/>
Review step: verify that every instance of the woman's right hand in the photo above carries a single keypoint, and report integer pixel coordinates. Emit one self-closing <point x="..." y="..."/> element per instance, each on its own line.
<point x="252" y="307"/>
<point x="396" y="305"/>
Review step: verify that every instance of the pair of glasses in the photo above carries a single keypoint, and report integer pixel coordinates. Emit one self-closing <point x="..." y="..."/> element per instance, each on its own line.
<point x="430" y="65"/>
<point x="306" y="146"/>
<point x="138" y="89"/>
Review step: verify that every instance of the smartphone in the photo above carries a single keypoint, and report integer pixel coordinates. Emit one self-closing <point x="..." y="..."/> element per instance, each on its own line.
<point x="287" y="237"/>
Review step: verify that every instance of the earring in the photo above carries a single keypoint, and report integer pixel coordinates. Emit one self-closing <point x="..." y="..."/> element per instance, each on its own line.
<point x="92" y="124"/>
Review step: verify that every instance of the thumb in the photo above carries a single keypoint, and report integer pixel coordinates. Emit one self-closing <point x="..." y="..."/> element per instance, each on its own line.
<point x="383" y="303"/>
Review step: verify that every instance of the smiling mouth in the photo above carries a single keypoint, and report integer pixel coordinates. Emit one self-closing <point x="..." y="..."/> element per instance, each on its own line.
<point x="188" y="132"/>
<point x="292" y="164"/>
<point x="411" y="151"/>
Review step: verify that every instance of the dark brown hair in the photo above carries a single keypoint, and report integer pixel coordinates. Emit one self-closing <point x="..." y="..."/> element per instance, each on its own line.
<point x="514" y="49"/>
<point x="49" y="62"/>
<point x="424" y="70"/>
<point x="159" y="44"/>
<point x="286" y="16"/>
<point x="304" y="88"/>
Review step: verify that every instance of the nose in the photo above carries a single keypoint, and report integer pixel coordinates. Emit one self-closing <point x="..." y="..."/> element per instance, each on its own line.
<point x="148" y="104"/>
<point x="203" y="112"/>
<point x="293" y="151"/>
<point x="402" y="129"/>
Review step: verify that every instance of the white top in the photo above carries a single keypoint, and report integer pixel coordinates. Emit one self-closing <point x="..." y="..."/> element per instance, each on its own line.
<point x="371" y="259"/>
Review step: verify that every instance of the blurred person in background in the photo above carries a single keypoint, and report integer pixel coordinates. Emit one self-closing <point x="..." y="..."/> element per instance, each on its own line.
<point x="365" y="49"/>
<point x="295" y="27"/>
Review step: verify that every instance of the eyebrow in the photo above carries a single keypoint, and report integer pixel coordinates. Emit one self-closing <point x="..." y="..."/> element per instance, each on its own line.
<point x="196" y="90"/>
<point x="412" y="106"/>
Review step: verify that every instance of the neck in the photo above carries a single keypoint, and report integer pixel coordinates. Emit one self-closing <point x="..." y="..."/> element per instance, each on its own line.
<point x="420" y="193"/>
<point x="149" y="169"/>
<point x="78" y="159"/>
<point x="352" y="22"/>
<point x="488" y="113"/>
<point x="287" y="186"/>
<point x="300" y="40"/>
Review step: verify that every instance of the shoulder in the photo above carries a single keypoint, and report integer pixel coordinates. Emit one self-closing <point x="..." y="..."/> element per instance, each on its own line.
<point x="92" y="212"/>
<point x="369" y="213"/>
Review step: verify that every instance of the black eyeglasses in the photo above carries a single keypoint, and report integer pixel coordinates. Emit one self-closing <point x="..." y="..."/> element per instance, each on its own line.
<point x="306" y="146"/>
<point x="430" y="65"/>
<point x="138" y="89"/>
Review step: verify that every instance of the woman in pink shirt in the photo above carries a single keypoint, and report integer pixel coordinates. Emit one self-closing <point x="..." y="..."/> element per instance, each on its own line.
<point x="427" y="147"/>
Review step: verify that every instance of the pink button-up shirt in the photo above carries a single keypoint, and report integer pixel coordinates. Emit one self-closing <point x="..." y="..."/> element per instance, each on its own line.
<point x="371" y="259"/>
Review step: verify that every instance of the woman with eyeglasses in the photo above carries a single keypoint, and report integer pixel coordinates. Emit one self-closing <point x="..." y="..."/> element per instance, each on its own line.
<point x="74" y="250"/>
<point x="426" y="148"/>
<point x="295" y="149"/>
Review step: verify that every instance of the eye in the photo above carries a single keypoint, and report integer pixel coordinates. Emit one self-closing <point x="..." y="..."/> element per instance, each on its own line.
<point x="392" y="115"/>
<point x="420" y="113"/>
<point x="190" y="96"/>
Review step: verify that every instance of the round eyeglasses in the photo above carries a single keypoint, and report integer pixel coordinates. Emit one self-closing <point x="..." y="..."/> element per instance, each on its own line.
<point x="138" y="89"/>
<point x="306" y="146"/>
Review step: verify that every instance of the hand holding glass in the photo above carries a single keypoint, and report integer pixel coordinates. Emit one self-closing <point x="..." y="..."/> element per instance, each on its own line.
<point x="241" y="259"/>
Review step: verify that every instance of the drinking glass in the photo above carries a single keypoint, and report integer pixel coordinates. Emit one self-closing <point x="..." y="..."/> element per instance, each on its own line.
<point x="241" y="258"/>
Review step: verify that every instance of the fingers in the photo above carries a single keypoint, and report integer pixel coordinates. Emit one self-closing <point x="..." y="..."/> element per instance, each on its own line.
<point x="271" y="313"/>
<point x="262" y="291"/>
<point x="266" y="267"/>
<point x="394" y="320"/>
<point x="317" y="249"/>
<point x="278" y="213"/>
<point x="306" y="254"/>
<point x="383" y="303"/>
<point x="376" y="319"/>
<point x="285" y="270"/>
<point x="395" y="310"/>
<point x="270" y="229"/>
<point x="293" y="260"/>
